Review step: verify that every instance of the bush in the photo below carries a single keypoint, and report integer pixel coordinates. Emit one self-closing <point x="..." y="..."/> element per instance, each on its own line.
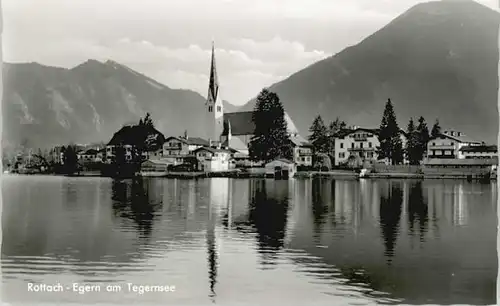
<point x="304" y="168"/>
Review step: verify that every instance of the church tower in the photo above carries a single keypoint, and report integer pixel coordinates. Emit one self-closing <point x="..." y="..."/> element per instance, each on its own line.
<point x="214" y="106"/>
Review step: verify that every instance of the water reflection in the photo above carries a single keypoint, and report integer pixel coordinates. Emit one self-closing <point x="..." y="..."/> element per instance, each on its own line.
<point x="417" y="210"/>
<point x="131" y="200"/>
<point x="327" y="240"/>
<point x="391" y="201"/>
<point x="268" y="214"/>
<point x="321" y="198"/>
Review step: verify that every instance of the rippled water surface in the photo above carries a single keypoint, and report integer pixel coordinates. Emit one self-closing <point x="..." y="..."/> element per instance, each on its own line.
<point x="225" y="241"/>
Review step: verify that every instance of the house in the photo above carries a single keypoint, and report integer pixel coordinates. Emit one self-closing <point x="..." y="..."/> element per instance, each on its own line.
<point x="357" y="146"/>
<point x="155" y="165"/>
<point x="89" y="156"/>
<point x="212" y="159"/>
<point x="281" y="167"/>
<point x="478" y="151"/>
<point x="183" y="145"/>
<point x="129" y="136"/>
<point x="153" y="154"/>
<point x="460" y="167"/>
<point x="302" y="151"/>
<point x="448" y="144"/>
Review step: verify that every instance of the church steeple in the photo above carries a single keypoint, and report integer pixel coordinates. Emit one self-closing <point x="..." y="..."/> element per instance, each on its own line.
<point x="214" y="104"/>
<point x="213" y="86"/>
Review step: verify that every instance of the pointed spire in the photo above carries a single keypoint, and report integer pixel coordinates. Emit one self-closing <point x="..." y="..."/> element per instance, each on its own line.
<point x="213" y="87"/>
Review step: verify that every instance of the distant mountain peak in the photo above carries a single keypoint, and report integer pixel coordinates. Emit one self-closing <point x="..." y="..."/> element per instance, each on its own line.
<point x="439" y="59"/>
<point x="90" y="102"/>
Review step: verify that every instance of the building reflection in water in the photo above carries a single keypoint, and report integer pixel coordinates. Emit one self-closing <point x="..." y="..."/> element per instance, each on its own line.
<point x="320" y="199"/>
<point x="268" y="215"/>
<point x="417" y="210"/>
<point x="132" y="200"/>
<point x="391" y="201"/>
<point x="218" y="208"/>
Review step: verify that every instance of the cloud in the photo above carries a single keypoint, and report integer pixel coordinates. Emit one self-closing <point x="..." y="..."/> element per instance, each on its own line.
<point x="257" y="42"/>
<point x="244" y="66"/>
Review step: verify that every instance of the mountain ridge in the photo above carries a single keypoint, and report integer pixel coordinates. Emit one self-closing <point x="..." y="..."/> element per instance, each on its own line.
<point x="46" y="105"/>
<point x="436" y="53"/>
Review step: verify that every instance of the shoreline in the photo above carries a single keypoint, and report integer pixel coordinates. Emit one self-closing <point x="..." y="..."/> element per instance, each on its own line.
<point x="335" y="174"/>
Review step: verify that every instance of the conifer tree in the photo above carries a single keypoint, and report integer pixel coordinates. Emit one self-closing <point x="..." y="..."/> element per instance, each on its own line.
<point x="318" y="136"/>
<point x="423" y="137"/>
<point x="436" y="129"/>
<point x="391" y="146"/>
<point x="270" y="139"/>
<point x="333" y="129"/>
<point x="70" y="160"/>
<point x="412" y="144"/>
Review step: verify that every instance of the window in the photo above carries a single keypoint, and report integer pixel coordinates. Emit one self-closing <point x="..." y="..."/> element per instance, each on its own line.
<point x="369" y="144"/>
<point x="341" y="145"/>
<point x="361" y="145"/>
<point x="352" y="145"/>
<point x="341" y="155"/>
<point x="219" y="109"/>
<point x="433" y="143"/>
<point x="210" y="108"/>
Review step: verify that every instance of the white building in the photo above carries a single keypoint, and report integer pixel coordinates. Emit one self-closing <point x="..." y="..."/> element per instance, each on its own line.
<point x="211" y="159"/>
<point x="358" y="146"/>
<point x="281" y="167"/>
<point x="481" y="151"/>
<point x="448" y="144"/>
<point x="302" y="151"/>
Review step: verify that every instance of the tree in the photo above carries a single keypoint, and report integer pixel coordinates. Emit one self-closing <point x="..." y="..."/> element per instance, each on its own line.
<point x="70" y="160"/>
<point x="423" y="137"/>
<point x="391" y="146"/>
<point x="412" y="144"/>
<point x="318" y="136"/>
<point x="333" y="129"/>
<point x="147" y="120"/>
<point x="270" y="139"/>
<point x="436" y="129"/>
<point x="140" y="137"/>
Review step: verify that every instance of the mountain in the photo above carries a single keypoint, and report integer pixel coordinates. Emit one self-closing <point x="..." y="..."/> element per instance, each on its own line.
<point x="228" y="107"/>
<point x="438" y="60"/>
<point x="45" y="106"/>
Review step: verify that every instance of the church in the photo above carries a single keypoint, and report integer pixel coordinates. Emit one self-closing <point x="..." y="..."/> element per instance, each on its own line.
<point x="234" y="130"/>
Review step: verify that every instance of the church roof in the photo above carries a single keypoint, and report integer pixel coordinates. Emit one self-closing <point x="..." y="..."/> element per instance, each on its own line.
<point x="241" y="123"/>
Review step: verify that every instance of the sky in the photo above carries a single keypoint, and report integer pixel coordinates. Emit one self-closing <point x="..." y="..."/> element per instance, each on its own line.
<point x="257" y="43"/>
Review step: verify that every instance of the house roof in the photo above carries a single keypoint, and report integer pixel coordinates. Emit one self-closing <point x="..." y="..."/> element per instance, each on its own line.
<point x="195" y="141"/>
<point x="462" y="138"/>
<point x="235" y="144"/>
<point x="241" y="123"/>
<point x="284" y="160"/>
<point x="212" y="150"/>
<point x="375" y="131"/>
<point x="91" y="152"/>
<point x="464" y="161"/>
<point x="157" y="162"/>
<point x="299" y="141"/>
<point x="480" y="148"/>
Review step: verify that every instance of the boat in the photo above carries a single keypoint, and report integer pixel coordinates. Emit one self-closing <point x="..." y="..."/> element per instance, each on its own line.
<point x="363" y="173"/>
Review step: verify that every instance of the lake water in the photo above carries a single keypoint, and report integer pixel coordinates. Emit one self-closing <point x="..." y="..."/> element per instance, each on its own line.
<point x="259" y="242"/>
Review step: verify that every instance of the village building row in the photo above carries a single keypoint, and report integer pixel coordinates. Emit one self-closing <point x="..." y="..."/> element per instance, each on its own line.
<point x="230" y="134"/>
